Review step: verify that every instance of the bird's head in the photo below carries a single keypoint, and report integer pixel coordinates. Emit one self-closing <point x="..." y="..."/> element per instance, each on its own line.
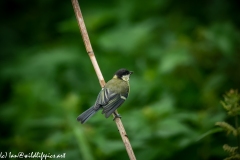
<point x="123" y="74"/>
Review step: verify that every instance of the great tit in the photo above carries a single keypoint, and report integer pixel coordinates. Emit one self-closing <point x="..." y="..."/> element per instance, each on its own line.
<point x="114" y="93"/>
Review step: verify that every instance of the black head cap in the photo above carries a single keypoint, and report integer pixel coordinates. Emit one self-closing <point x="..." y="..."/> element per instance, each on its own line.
<point x="122" y="72"/>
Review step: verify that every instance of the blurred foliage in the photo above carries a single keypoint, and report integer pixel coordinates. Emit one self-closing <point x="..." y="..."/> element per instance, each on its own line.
<point x="232" y="107"/>
<point x="184" y="54"/>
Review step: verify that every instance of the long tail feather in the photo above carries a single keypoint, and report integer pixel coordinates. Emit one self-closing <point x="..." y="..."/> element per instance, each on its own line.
<point x="87" y="114"/>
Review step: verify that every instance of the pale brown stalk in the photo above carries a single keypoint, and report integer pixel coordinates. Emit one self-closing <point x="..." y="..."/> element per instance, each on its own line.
<point x="90" y="52"/>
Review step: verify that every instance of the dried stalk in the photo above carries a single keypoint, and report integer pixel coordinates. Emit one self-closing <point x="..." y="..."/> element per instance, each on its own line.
<point x="90" y="52"/>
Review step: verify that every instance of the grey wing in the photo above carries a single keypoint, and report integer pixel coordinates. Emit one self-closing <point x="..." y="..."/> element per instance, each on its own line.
<point x="103" y="97"/>
<point x="114" y="102"/>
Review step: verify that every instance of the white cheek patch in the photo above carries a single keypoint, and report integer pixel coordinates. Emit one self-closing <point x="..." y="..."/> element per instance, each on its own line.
<point x="125" y="77"/>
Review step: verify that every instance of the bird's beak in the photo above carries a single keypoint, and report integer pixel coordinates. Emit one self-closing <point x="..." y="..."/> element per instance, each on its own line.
<point x="131" y="72"/>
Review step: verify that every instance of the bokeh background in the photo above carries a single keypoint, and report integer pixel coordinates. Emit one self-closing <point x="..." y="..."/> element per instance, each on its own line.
<point x="184" y="54"/>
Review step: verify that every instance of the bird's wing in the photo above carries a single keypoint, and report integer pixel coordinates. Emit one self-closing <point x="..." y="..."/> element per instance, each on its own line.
<point x="104" y="96"/>
<point x="115" y="100"/>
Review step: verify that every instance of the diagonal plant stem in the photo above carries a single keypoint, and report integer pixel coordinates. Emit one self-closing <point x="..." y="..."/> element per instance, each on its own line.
<point x="90" y="52"/>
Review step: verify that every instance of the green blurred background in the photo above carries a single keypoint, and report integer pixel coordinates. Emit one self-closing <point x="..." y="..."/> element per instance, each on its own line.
<point x="184" y="54"/>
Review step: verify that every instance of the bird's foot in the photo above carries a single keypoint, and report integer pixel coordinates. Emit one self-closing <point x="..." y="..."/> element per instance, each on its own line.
<point x="116" y="115"/>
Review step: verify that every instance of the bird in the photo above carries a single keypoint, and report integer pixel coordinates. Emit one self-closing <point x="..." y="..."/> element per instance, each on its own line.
<point x="112" y="96"/>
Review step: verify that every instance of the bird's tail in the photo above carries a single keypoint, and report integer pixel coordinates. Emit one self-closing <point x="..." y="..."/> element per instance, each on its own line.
<point x="87" y="114"/>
